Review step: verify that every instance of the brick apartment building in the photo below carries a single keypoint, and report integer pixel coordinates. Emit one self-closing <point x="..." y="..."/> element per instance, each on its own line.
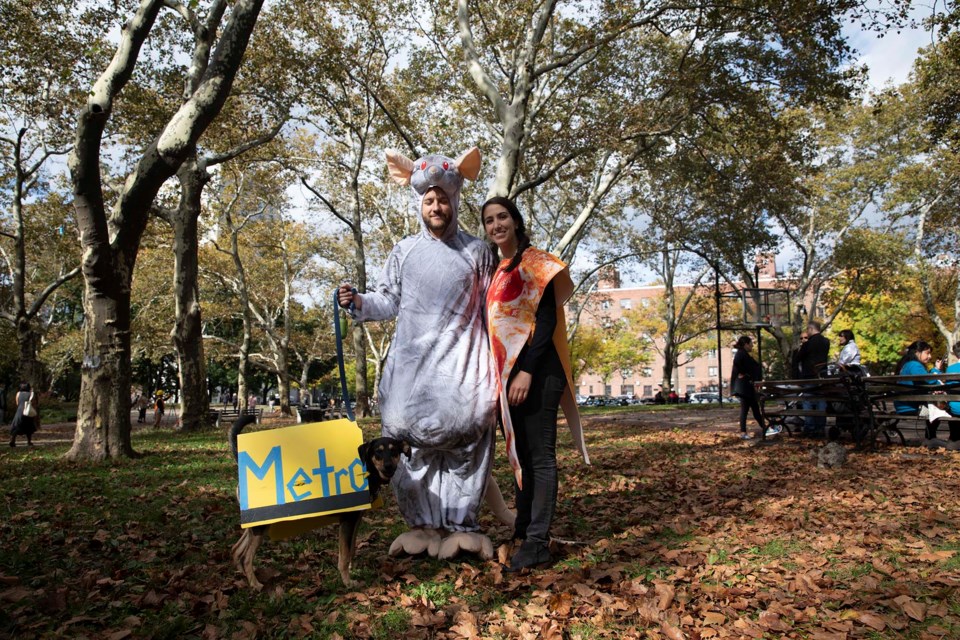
<point x="611" y="301"/>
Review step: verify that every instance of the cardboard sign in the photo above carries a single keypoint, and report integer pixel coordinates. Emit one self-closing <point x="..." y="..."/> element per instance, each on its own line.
<point x="300" y="472"/>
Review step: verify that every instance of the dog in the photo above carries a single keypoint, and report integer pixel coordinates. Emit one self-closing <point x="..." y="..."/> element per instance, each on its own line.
<point x="380" y="457"/>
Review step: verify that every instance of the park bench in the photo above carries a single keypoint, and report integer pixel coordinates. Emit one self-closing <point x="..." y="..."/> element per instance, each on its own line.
<point x="229" y="414"/>
<point x="862" y="405"/>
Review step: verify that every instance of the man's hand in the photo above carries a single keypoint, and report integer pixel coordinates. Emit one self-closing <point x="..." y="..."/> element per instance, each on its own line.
<point x="519" y="388"/>
<point x="345" y="296"/>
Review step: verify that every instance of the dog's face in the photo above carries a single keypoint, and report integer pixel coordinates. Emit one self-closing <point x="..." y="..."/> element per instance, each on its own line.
<point x="383" y="455"/>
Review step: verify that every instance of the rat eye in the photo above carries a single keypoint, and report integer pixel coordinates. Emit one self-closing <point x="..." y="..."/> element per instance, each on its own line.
<point x="423" y="165"/>
<point x="446" y="165"/>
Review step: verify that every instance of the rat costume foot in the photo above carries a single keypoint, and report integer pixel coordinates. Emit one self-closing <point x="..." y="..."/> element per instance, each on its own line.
<point x="417" y="541"/>
<point x="476" y="543"/>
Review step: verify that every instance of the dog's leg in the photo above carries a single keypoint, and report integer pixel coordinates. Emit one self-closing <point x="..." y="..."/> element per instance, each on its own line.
<point x="243" y="552"/>
<point x="495" y="501"/>
<point x="349" y="525"/>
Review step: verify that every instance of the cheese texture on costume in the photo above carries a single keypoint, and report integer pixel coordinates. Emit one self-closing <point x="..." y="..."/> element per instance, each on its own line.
<point x="437" y="389"/>
<point x="512" y="302"/>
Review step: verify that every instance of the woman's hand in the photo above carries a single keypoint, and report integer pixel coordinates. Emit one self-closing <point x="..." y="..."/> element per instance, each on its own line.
<point x="519" y="388"/>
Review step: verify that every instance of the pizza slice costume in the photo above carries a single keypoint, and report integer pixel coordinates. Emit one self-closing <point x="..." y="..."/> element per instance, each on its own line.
<point x="512" y="302"/>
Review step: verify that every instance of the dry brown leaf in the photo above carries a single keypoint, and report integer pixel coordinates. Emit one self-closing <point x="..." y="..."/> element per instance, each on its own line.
<point x="872" y="620"/>
<point x="672" y="632"/>
<point x="666" y="593"/>
<point x="712" y="617"/>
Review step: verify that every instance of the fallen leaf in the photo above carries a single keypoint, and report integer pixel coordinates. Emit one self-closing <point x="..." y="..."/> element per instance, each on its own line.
<point x="872" y="620"/>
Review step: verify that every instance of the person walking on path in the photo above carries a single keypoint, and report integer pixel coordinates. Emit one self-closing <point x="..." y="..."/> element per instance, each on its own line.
<point x="27" y="418"/>
<point x="158" y="410"/>
<point x="529" y="347"/>
<point x="744" y="373"/>
<point x="142" y="405"/>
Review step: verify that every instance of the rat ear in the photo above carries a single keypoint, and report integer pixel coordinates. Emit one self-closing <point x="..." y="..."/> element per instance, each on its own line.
<point x="468" y="164"/>
<point x="400" y="166"/>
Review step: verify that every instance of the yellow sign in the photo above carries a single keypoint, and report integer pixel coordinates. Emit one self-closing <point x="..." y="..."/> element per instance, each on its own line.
<point x="300" y="472"/>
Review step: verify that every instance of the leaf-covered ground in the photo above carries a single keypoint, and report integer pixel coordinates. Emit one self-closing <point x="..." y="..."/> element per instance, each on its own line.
<point x="682" y="531"/>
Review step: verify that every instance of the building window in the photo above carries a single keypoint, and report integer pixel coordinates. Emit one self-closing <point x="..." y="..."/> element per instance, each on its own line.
<point x="644" y="302"/>
<point x="713" y="354"/>
<point x="647" y="390"/>
<point x="626" y="389"/>
<point x="691" y="372"/>
<point x="605" y="304"/>
<point x="647" y="372"/>
<point x="626" y="373"/>
<point x="607" y="389"/>
<point x="691" y="388"/>
<point x="712" y="372"/>
<point x="591" y="388"/>
<point x="626" y="303"/>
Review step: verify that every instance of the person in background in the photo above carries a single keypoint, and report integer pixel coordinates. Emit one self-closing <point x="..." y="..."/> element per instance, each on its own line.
<point x="813" y="356"/>
<point x="954" y="407"/>
<point x="22" y="424"/>
<point x="142" y="405"/>
<point x="849" y="352"/>
<point x="158" y="409"/>
<point x="745" y="372"/>
<point x="915" y="362"/>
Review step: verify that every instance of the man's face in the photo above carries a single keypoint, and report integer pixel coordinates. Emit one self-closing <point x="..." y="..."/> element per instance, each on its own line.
<point x="436" y="211"/>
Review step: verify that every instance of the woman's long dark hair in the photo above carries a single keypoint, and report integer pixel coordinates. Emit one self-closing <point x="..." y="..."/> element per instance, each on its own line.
<point x="742" y="341"/>
<point x="523" y="240"/>
<point x="912" y="350"/>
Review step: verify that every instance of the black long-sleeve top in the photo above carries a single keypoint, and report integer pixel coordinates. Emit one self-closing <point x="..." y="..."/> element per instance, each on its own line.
<point x="541" y="343"/>
<point x="744" y="363"/>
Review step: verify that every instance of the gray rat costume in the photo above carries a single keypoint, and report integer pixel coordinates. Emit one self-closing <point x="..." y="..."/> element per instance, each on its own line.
<point x="438" y="387"/>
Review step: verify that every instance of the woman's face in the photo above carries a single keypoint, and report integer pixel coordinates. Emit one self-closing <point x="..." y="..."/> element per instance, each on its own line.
<point x="748" y="346"/>
<point x="842" y="339"/>
<point x="500" y="226"/>
<point x="924" y="356"/>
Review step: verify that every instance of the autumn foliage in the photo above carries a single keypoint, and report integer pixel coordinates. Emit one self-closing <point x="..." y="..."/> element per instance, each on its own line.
<point x="678" y="530"/>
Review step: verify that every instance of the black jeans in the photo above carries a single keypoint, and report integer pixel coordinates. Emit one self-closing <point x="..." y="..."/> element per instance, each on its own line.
<point x="748" y="402"/>
<point x="535" y="430"/>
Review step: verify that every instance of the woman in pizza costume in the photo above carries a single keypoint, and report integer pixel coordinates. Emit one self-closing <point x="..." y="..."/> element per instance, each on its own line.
<point x="528" y="343"/>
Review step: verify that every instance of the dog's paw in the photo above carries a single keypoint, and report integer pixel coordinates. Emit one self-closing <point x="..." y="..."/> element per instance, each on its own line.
<point x="476" y="543"/>
<point x="416" y="542"/>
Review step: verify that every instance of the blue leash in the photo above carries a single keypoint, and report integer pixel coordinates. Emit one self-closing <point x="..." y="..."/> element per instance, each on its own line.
<point x="343" y="373"/>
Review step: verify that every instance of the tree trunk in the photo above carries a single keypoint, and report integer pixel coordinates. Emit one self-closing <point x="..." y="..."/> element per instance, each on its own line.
<point x="362" y="408"/>
<point x="29" y="366"/>
<point x="188" y="329"/>
<point x="243" y="366"/>
<point x="103" y="414"/>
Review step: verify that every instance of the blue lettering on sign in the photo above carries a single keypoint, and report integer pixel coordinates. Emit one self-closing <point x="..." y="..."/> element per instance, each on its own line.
<point x="322" y="471"/>
<point x="271" y="470"/>
<point x="244" y="462"/>
<point x="354" y="474"/>
<point x="304" y="479"/>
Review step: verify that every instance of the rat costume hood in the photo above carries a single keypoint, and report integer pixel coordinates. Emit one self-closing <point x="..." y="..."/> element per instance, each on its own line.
<point x="512" y="302"/>
<point x="435" y="171"/>
<point x="437" y="388"/>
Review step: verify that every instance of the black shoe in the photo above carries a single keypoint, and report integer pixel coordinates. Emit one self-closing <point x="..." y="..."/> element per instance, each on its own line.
<point x="531" y="554"/>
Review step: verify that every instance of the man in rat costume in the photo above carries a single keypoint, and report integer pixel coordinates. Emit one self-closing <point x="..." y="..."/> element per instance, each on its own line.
<point x="438" y="388"/>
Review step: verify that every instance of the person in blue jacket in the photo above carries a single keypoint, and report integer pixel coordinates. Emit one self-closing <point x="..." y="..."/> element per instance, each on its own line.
<point x="914" y="363"/>
<point x="954" y="407"/>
